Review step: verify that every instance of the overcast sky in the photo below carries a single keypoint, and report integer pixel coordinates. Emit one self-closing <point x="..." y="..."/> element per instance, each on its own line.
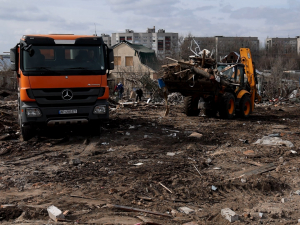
<point x="256" y="18"/>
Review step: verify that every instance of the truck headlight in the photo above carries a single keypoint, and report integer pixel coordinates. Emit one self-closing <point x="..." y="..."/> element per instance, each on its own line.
<point x="33" y="112"/>
<point x="100" y="109"/>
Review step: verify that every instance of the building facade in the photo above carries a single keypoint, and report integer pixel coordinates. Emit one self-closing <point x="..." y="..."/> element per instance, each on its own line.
<point x="283" y="45"/>
<point x="132" y="62"/>
<point x="164" y="44"/>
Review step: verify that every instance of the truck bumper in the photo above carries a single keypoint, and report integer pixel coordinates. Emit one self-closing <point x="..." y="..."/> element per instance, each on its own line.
<point x="51" y="115"/>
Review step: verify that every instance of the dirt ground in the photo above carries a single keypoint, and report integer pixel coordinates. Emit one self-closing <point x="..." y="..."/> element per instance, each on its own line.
<point x="147" y="161"/>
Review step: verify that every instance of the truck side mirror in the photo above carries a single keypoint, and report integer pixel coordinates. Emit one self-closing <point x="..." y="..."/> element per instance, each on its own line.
<point x="110" y="57"/>
<point x="13" y="59"/>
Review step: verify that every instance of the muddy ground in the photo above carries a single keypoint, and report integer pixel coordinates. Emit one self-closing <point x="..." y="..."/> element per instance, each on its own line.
<point x="139" y="149"/>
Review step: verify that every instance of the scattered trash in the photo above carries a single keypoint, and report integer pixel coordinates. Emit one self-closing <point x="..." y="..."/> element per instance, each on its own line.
<point x="172" y="135"/>
<point x="130" y="209"/>
<point x="138" y="164"/>
<point x="131" y="127"/>
<point x="146" y="136"/>
<point x="55" y="213"/>
<point x="284" y="200"/>
<point x="294" y="152"/>
<point x="104" y="143"/>
<point x="243" y="180"/>
<point x="266" y="140"/>
<point x="75" y="162"/>
<point x="186" y="210"/>
<point x="274" y="135"/>
<point x="208" y="161"/>
<point x="111" y="150"/>
<point x="214" y="188"/>
<point x="229" y="215"/>
<point x="171" y="153"/>
<point x="260" y="215"/>
<point x="127" y="133"/>
<point x="196" y="135"/>
<point x="244" y="141"/>
<point x="217" y="168"/>
<point x="249" y="153"/>
<point x="297" y="192"/>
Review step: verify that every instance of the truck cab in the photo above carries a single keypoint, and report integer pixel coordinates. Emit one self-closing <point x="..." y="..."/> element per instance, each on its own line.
<point x="62" y="79"/>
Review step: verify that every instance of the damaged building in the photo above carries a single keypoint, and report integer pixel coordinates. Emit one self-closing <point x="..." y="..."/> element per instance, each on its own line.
<point x="132" y="63"/>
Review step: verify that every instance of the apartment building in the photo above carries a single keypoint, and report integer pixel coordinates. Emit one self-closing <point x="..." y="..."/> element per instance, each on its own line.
<point x="224" y="45"/>
<point x="164" y="44"/>
<point x="283" y="45"/>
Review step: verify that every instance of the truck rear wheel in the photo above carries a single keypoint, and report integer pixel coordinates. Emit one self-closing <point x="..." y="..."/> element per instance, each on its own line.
<point x="245" y="107"/>
<point x="191" y="106"/>
<point x="227" y="106"/>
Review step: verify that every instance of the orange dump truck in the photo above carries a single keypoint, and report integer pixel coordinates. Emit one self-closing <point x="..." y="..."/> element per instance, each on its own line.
<point x="62" y="79"/>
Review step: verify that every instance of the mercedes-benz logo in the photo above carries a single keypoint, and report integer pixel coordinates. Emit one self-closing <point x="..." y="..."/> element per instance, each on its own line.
<point x="67" y="94"/>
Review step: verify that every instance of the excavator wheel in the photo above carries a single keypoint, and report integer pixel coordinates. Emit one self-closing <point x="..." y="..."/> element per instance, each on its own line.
<point x="245" y="107"/>
<point x="227" y="106"/>
<point x="191" y="106"/>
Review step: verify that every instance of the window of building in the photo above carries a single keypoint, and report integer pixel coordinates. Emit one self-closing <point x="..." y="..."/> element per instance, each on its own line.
<point x="129" y="38"/>
<point x="129" y="61"/>
<point x="117" y="60"/>
<point x="160" y="45"/>
<point x="122" y="39"/>
<point x="168" y="43"/>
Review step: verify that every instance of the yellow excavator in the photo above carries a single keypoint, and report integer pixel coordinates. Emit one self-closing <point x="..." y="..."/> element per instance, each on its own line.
<point x="228" y="88"/>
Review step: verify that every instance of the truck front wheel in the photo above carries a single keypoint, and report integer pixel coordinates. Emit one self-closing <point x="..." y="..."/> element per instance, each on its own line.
<point x="227" y="106"/>
<point x="191" y="106"/>
<point x="25" y="130"/>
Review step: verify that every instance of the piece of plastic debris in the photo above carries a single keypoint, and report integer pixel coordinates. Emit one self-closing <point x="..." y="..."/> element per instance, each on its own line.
<point x="196" y="135"/>
<point x="260" y="215"/>
<point x="274" y="135"/>
<point x="243" y="180"/>
<point x="127" y="133"/>
<point x="294" y="152"/>
<point x="131" y="127"/>
<point x="104" y="143"/>
<point x="217" y="168"/>
<point x="171" y="153"/>
<point x="214" y="188"/>
<point x="297" y="192"/>
<point x="186" y="210"/>
<point x="138" y="164"/>
<point x="111" y="150"/>
<point x="266" y="140"/>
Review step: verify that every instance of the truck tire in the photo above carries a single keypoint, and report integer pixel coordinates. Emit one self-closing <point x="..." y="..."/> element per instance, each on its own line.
<point x="25" y="130"/>
<point x="227" y="106"/>
<point x="245" y="107"/>
<point x="191" y="106"/>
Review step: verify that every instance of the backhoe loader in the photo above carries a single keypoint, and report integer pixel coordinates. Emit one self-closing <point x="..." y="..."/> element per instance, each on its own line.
<point x="227" y="88"/>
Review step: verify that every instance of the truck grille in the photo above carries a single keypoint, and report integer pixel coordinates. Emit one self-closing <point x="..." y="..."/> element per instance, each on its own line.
<point x="80" y="96"/>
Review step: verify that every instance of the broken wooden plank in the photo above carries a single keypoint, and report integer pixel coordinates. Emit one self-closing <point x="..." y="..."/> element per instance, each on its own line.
<point x="260" y="170"/>
<point x="130" y="209"/>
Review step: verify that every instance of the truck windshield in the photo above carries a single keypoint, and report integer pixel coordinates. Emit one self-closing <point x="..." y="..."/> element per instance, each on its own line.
<point x="64" y="59"/>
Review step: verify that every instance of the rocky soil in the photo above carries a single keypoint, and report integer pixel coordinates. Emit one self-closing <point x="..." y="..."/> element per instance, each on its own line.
<point x="146" y="161"/>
